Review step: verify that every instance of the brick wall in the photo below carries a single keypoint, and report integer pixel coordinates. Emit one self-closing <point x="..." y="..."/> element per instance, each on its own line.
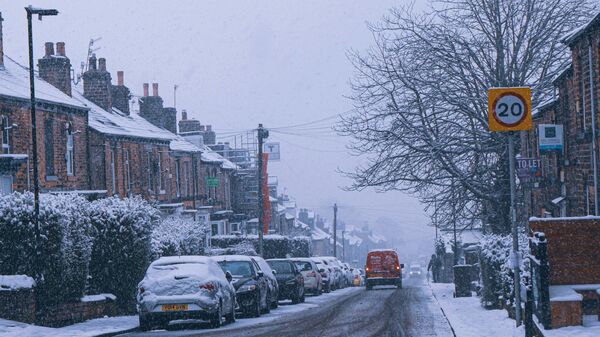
<point x="75" y="312"/>
<point x="18" y="305"/>
<point x="573" y="249"/>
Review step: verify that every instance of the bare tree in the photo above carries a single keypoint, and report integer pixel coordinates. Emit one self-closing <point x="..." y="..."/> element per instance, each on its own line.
<point x="420" y="95"/>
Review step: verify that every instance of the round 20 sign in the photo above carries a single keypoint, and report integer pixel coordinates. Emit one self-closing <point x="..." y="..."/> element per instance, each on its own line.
<point x="509" y="109"/>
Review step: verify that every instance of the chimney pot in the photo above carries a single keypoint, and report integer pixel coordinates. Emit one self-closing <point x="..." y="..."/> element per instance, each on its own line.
<point x="209" y="128"/>
<point x="49" y="49"/>
<point x="183" y="114"/>
<point x="120" y="78"/>
<point x="102" y="64"/>
<point x="154" y="89"/>
<point x="60" y="49"/>
<point x="92" y="62"/>
<point x="145" y="89"/>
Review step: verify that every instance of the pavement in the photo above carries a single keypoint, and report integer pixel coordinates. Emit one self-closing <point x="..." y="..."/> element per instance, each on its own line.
<point x="384" y="311"/>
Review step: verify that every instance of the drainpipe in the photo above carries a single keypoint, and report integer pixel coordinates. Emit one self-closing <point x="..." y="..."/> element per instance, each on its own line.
<point x="593" y="115"/>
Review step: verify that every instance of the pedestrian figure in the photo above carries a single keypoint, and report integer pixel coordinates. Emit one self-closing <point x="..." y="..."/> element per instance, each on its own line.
<point x="435" y="266"/>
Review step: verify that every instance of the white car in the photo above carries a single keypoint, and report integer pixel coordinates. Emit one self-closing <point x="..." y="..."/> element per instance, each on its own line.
<point x="414" y="270"/>
<point x="310" y="272"/>
<point x="185" y="287"/>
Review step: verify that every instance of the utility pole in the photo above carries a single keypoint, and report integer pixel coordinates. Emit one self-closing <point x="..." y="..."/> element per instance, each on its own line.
<point x="435" y="217"/>
<point x="261" y="134"/>
<point x="343" y="247"/>
<point x="335" y="230"/>
<point x="34" y="148"/>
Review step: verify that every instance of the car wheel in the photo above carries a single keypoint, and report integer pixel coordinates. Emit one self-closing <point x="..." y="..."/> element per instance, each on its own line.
<point x="145" y="323"/>
<point x="302" y="297"/>
<point x="215" y="321"/>
<point x="319" y="290"/>
<point x="368" y="286"/>
<point x="295" y="298"/>
<point x="256" y="308"/>
<point x="230" y="318"/>
<point x="268" y="303"/>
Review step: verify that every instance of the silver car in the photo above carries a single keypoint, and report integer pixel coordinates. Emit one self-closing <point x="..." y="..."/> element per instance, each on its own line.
<point x="185" y="287"/>
<point x="310" y="272"/>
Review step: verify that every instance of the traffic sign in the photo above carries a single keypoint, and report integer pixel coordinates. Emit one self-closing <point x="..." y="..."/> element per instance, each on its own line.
<point x="509" y="109"/>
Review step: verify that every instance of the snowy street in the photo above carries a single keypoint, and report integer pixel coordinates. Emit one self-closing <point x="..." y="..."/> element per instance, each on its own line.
<point x="383" y="311"/>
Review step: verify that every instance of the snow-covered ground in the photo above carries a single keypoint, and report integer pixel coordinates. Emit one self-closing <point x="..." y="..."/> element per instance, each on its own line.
<point x="123" y="323"/>
<point x="90" y="328"/>
<point x="469" y="319"/>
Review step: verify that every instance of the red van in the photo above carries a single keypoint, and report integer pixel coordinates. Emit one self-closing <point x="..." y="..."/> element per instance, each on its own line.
<point x="383" y="268"/>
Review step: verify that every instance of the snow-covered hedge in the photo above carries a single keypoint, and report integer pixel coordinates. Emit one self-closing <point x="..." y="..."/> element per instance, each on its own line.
<point x="496" y="269"/>
<point x="121" y="248"/>
<point x="178" y="235"/>
<point x="65" y="235"/>
<point x="275" y="246"/>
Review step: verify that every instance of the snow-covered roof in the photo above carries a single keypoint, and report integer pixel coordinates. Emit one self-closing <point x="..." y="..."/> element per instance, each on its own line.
<point x="557" y="200"/>
<point x="210" y="156"/>
<point x="280" y="208"/>
<point x="117" y="123"/>
<point x="354" y="240"/>
<point x="179" y="143"/>
<point x="376" y="238"/>
<point x="567" y="67"/>
<point x="14" y="82"/>
<point x="289" y="216"/>
<point x="319" y="234"/>
<point x="543" y="105"/>
<point x="16" y="282"/>
<point x="571" y="36"/>
<point x="300" y="224"/>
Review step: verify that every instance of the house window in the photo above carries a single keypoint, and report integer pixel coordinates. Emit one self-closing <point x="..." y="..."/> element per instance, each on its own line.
<point x="127" y="172"/>
<point x="49" y="145"/>
<point x="69" y="153"/>
<point x="149" y="170"/>
<point x="186" y="178"/>
<point x="159" y="174"/>
<point x="113" y="174"/>
<point x="177" y="180"/>
<point x="4" y="128"/>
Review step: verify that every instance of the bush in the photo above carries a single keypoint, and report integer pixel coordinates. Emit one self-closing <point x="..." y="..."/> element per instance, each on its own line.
<point x="178" y="235"/>
<point x="121" y="251"/>
<point x="65" y="239"/>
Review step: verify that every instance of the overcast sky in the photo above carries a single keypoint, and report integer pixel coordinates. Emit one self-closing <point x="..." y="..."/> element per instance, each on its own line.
<point x="238" y="63"/>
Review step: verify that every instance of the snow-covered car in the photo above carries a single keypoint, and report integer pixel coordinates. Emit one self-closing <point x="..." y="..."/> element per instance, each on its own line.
<point x="325" y="272"/>
<point x="273" y="285"/>
<point x="348" y="273"/>
<point x="185" y="287"/>
<point x="415" y="270"/>
<point x="291" y="281"/>
<point x="337" y="271"/>
<point x="357" y="278"/>
<point x="250" y="283"/>
<point x="310" y="272"/>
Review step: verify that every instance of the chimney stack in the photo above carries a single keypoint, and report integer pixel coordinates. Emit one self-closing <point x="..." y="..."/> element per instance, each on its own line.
<point x="92" y="63"/>
<point x="151" y="109"/>
<point x="56" y="70"/>
<point x="1" y="44"/>
<point x="102" y="64"/>
<point x="145" y="89"/>
<point x="183" y="115"/>
<point x="49" y="49"/>
<point x="60" y="49"/>
<point x="154" y="89"/>
<point x="120" y="78"/>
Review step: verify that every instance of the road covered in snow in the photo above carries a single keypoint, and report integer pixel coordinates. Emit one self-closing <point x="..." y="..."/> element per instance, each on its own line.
<point x="383" y="311"/>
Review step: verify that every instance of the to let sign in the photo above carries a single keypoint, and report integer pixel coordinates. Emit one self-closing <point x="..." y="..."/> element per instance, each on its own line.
<point x="529" y="167"/>
<point x="509" y="109"/>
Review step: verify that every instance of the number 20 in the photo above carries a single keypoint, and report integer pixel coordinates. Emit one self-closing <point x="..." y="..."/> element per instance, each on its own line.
<point x="516" y="109"/>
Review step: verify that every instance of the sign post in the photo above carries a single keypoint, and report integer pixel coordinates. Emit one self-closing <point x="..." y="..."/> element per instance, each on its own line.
<point x="509" y="109"/>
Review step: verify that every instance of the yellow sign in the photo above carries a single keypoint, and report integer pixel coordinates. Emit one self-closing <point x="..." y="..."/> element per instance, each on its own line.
<point x="509" y="109"/>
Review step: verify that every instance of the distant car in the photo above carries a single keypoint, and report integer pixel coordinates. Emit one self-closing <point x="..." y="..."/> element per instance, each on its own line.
<point x="338" y="279"/>
<point x="414" y="270"/>
<point x="357" y="279"/>
<point x="273" y="285"/>
<point x="348" y="274"/>
<point x="325" y="272"/>
<point x="382" y="268"/>
<point x="310" y="272"/>
<point x="185" y="287"/>
<point x="251" y="284"/>
<point x="291" y="281"/>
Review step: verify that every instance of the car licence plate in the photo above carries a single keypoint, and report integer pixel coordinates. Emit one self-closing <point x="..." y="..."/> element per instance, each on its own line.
<point x="174" y="307"/>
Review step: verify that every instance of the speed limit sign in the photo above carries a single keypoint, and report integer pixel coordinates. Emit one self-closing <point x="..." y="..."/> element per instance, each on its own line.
<point x="509" y="109"/>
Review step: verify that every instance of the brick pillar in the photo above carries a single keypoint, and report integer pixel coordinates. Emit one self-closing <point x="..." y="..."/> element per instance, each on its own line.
<point x="97" y="84"/>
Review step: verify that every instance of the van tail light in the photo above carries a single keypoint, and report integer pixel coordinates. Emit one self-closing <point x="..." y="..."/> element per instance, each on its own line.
<point x="208" y="286"/>
<point x="367" y="269"/>
<point x="397" y="267"/>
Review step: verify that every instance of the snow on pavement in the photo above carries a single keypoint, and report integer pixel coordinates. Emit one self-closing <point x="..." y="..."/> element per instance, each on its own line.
<point x="89" y="328"/>
<point x="469" y="319"/>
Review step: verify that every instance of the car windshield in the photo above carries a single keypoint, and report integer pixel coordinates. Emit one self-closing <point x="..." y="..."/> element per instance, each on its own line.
<point x="281" y="267"/>
<point x="237" y="268"/>
<point x="303" y="266"/>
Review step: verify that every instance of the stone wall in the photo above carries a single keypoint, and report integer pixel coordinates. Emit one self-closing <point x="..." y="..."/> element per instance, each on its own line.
<point x="18" y="305"/>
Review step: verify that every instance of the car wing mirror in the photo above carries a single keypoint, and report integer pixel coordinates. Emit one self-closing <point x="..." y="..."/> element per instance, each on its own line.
<point x="401" y="265"/>
<point x="228" y="276"/>
<point x="260" y="273"/>
<point x="274" y="272"/>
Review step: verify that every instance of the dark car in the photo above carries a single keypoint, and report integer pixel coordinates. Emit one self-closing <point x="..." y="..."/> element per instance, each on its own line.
<point x="250" y="283"/>
<point x="273" y="285"/>
<point x="291" y="281"/>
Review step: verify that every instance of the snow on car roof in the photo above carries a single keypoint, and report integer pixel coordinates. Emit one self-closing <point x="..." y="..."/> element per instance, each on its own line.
<point x="14" y="82"/>
<point x="165" y="260"/>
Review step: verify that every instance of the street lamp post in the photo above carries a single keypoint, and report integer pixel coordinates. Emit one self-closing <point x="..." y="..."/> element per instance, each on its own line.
<point x="36" y="183"/>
